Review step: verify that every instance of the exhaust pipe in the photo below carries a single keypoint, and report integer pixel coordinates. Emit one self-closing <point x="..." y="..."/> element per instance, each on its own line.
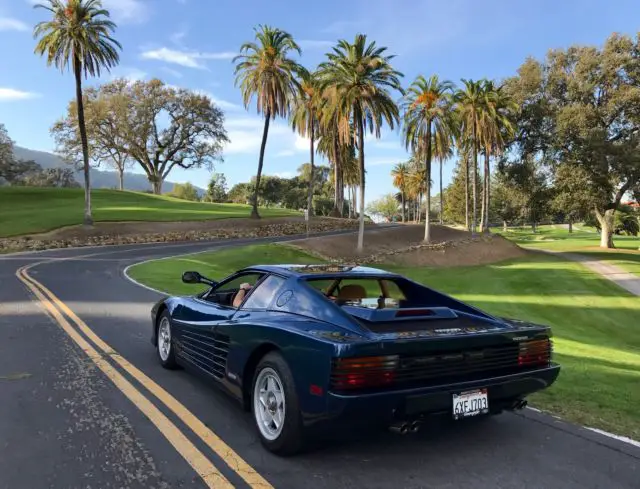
<point x="520" y="404"/>
<point x="399" y="428"/>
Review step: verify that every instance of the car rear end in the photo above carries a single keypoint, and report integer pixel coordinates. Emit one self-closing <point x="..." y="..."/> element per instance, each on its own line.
<point x="474" y="366"/>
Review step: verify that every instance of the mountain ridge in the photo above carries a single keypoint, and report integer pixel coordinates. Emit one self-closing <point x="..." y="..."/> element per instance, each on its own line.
<point x="99" y="178"/>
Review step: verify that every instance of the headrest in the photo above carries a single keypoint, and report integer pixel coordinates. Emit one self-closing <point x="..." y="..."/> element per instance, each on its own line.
<point x="352" y="292"/>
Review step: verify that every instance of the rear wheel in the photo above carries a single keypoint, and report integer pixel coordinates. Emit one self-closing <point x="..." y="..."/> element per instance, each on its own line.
<point x="164" y="342"/>
<point x="275" y="407"/>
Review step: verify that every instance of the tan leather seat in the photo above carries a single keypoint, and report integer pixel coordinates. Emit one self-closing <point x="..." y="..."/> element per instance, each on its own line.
<point x="352" y="292"/>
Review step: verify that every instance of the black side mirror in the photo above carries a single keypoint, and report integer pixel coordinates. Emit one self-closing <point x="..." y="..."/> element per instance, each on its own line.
<point x="191" y="277"/>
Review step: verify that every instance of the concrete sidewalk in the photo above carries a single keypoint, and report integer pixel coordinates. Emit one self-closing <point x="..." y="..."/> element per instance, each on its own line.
<point x="624" y="279"/>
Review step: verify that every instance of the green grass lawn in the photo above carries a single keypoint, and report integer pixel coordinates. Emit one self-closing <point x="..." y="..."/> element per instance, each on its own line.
<point x="26" y="210"/>
<point x="595" y="323"/>
<point x="583" y="240"/>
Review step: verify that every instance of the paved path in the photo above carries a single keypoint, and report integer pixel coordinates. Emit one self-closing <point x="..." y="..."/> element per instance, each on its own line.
<point x="624" y="279"/>
<point x="64" y="424"/>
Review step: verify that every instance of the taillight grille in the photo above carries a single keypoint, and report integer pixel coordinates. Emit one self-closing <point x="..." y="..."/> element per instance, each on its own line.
<point x="440" y="367"/>
<point x="363" y="372"/>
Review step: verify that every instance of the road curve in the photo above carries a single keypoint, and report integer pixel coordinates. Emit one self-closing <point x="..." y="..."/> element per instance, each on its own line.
<point x="65" y="423"/>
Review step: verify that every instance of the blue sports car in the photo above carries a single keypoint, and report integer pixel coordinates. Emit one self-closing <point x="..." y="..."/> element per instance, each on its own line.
<point x="308" y="347"/>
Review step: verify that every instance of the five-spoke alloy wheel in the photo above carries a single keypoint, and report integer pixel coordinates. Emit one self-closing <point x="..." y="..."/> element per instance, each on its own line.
<point x="275" y="407"/>
<point x="164" y="342"/>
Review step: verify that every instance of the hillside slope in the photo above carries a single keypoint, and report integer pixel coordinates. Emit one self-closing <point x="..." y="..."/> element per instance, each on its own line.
<point x="25" y="210"/>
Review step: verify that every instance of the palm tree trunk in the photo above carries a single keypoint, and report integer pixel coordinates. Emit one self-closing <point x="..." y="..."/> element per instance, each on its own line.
<point x="427" y="213"/>
<point x="361" y="164"/>
<point x="310" y="196"/>
<point x="466" y="193"/>
<point x="484" y="194"/>
<point x="337" y="181"/>
<point x="402" y="197"/>
<point x="77" y="69"/>
<point x="254" y="210"/>
<point x="441" y="198"/>
<point x="487" y="183"/>
<point x="474" y="183"/>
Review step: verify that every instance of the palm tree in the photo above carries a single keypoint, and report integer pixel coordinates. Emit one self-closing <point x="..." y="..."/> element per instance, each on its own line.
<point x="442" y="151"/>
<point x="361" y="76"/>
<point x="400" y="174"/>
<point x="304" y="120"/>
<point x="264" y="70"/>
<point x="416" y="187"/>
<point x="470" y="103"/>
<point x="427" y="111"/>
<point x="78" y="37"/>
<point x="497" y="126"/>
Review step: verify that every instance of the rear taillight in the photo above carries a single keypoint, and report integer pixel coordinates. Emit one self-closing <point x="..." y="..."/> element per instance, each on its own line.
<point x="535" y="353"/>
<point x="363" y="372"/>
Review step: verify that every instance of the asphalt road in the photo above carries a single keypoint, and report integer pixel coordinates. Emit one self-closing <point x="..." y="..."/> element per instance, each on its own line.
<point x="64" y="424"/>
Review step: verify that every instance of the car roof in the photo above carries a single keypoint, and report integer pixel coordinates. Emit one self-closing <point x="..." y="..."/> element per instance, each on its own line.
<point x="316" y="270"/>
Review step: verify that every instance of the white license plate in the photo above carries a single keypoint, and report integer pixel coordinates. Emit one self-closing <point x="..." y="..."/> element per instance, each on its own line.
<point x="470" y="403"/>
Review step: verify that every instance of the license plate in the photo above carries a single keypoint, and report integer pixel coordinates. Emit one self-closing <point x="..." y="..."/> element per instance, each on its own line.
<point x="470" y="403"/>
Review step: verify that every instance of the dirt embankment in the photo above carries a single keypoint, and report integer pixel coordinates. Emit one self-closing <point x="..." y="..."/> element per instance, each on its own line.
<point x="155" y="232"/>
<point x="403" y="245"/>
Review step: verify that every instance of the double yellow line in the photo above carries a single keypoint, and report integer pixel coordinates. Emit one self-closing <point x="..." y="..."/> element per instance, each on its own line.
<point x="209" y="473"/>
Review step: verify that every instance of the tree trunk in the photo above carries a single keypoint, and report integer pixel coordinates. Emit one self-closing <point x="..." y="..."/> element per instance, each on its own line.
<point x="254" y="210"/>
<point x="441" y="198"/>
<point x="606" y="227"/>
<point x="157" y="185"/>
<point x="77" y="68"/>
<point x="121" y="178"/>
<point x="402" y="197"/>
<point x="360" y="123"/>
<point x="337" y="181"/>
<point x="570" y="226"/>
<point x="482" y="205"/>
<point x="487" y="189"/>
<point x="310" y="196"/>
<point x="474" y="184"/>
<point x="427" y="213"/>
<point x="466" y="193"/>
<point x="504" y="226"/>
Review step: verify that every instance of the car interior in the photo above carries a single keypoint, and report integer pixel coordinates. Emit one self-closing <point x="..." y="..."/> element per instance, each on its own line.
<point x="233" y="292"/>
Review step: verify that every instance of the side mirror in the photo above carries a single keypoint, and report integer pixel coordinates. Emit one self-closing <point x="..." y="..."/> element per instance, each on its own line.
<point x="191" y="277"/>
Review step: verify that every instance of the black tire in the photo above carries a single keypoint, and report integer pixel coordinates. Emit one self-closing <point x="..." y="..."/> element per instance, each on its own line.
<point x="290" y="439"/>
<point x="169" y="360"/>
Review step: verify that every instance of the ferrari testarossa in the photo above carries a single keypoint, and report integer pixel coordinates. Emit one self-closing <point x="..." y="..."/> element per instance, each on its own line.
<point x="307" y="347"/>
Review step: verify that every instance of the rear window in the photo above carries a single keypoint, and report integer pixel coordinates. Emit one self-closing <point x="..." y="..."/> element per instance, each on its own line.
<point x="364" y="292"/>
<point x="264" y="293"/>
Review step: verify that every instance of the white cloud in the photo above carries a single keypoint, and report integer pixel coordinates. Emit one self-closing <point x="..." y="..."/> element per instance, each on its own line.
<point x="9" y="24"/>
<point x="383" y="160"/>
<point x="286" y="152"/>
<point x="171" y="72"/>
<point x="134" y="11"/>
<point x="315" y="44"/>
<point x="387" y="144"/>
<point x="10" y="94"/>
<point x="284" y="174"/>
<point x="131" y="74"/>
<point x="190" y="59"/>
<point x="245" y="134"/>
<point x="302" y="144"/>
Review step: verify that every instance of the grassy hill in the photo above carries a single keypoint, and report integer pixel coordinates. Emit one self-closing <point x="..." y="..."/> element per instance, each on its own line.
<point x="26" y="210"/>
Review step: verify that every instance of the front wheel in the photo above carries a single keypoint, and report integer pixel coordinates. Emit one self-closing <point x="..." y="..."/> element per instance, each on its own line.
<point x="164" y="342"/>
<point x="275" y="406"/>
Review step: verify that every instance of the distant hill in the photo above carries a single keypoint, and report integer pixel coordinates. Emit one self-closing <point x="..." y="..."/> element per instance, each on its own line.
<point x="99" y="178"/>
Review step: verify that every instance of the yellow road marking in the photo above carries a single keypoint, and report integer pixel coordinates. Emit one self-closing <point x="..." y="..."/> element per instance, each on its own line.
<point x="224" y="451"/>
<point x="201" y="464"/>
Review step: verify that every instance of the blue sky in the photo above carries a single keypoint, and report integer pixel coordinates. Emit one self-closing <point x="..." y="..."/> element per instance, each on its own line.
<point x="190" y="43"/>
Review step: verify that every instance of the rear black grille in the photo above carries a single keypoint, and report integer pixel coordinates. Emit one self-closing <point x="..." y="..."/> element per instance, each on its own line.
<point x="458" y="364"/>
<point x="441" y="367"/>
